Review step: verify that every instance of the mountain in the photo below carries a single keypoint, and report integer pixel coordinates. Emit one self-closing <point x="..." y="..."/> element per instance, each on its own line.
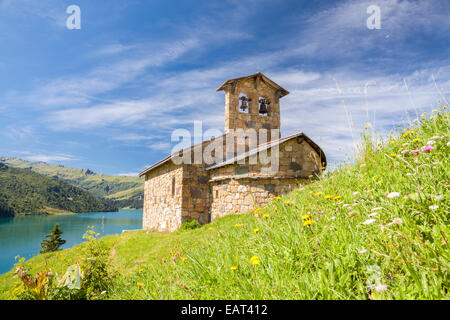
<point x="122" y="191"/>
<point x="24" y="192"/>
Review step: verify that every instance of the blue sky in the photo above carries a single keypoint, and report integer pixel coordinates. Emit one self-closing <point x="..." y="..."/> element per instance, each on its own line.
<point x="108" y="96"/>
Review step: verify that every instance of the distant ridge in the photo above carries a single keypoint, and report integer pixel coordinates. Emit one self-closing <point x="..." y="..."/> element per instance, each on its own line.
<point x="24" y="192"/>
<point x="121" y="191"/>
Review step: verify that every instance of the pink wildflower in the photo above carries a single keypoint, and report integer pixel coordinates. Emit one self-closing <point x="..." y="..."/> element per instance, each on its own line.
<point x="415" y="152"/>
<point x="427" y="149"/>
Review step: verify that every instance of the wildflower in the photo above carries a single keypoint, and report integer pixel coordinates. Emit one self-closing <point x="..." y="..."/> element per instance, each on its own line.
<point x="427" y="149"/>
<point x="397" y="221"/>
<point x="366" y="127"/>
<point x="381" y="288"/>
<point x="287" y="202"/>
<point x="337" y="197"/>
<point x="140" y="270"/>
<point x="256" y="230"/>
<point x="254" y="260"/>
<point x="448" y="144"/>
<point x="415" y="152"/>
<point x="234" y="267"/>
<point x="311" y="192"/>
<point x="416" y="139"/>
<point x="393" y="155"/>
<point x="405" y="144"/>
<point x="345" y="205"/>
<point x="435" y="138"/>
<point x="237" y="225"/>
<point x="308" y="222"/>
<point x="373" y="214"/>
<point x="266" y="215"/>
<point x="310" y="176"/>
<point x="370" y="221"/>
<point x="393" y="195"/>
<point x="431" y="142"/>
<point x="377" y="208"/>
<point x="210" y="228"/>
<point x="323" y="168"/>
<point x="405" y="152"/>
<point x="355" y="193"/>
<point x="306" y="217"/>
<point x="362" y="251"/>
<point x="328" y="196"/>
<point x="276" y="198"/>
<point x="183" y="259"/>
<point x="318" y="193"/>
<point x="140" y="284"/>
<point x="434" y="207"/>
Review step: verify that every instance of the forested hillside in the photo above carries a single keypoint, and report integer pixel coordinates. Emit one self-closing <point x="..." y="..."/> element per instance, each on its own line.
<point x="24" y="192"/>
<point x="122" y="191"/>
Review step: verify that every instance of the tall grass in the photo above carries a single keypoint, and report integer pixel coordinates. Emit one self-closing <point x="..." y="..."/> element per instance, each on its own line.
<point x="374" y="229"/>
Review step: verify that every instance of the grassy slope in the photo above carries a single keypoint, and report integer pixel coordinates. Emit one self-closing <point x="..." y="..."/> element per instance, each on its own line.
<point x="105" y="186"/>
<point x="331" y="259"/>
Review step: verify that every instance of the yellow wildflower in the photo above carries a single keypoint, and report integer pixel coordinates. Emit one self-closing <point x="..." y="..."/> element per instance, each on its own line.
<point x="266" y="215"/>
<point x="392" y="154"/>
<point x="337" y="197"/>
<point x="328" y="196"/>
<point x="311" y="192"/>
<point x="310" y="176"/>
<point x="416" y="139"/>
<point x="140" y="270"/>
<point x="234" y="267"/>
<point x="306" y="217"/>
<point x="308" y="222"/>
<point x="183" y="259"/>
<point x="256" y="230"/>
<point x="140" y="284"/>
<point x="254" y="260"/>
<point x="277" y="198"/>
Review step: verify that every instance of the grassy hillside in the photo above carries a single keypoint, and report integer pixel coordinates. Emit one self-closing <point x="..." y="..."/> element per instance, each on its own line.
<point x="125" y="191"/>
<point x="25" y="192"/>
<point x="376" y="229"/>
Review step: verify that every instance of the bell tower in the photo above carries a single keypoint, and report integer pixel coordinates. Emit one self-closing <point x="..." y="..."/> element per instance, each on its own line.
<point x="252" y="102"/>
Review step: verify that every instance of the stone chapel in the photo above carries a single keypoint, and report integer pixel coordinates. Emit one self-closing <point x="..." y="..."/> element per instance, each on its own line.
<point x="239" y="168"/>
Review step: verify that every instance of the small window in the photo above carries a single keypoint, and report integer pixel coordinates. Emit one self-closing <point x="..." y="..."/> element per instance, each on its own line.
<point x="244" y="102"/>
<point x="173" y="186"/>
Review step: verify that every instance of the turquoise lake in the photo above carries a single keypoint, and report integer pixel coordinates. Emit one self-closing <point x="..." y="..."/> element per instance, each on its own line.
<point x="23" y="235"/>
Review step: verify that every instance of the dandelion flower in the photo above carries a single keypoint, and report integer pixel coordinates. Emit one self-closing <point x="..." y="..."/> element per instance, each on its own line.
<point x="276" y="198"/>
<point x="256" y="230"/>
<point x="183" y="259"/>
<point x="310" y="176"/>
<point x="308" y="222"/>
<point x="266" y="215"/>
<point x="393" y="195"/>
<point x="370" y="221"/>
<point x="140" y="284"/>
<point x="306" y="217"/>
<point x="234" y="267"/>
<point x="140" y="270"/>
<point x="328" y="196"/>
<point x="255" y="260"/>
<point x="337" y="197"/>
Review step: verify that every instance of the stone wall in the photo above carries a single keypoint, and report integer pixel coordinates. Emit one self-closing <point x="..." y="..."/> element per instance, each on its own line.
<point x="234" y="196"/>
<point x="163" y="198"/>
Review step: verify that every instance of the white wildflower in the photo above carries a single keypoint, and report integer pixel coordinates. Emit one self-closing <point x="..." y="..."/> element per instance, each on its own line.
<point x="393" y="195"/>
<point x="370" y="221"/>
<point x="448" y="144"/>
<point x="405" y="144"/>
<point x="362" y="251"/>
<point x="377" y="208"/>
<point x="405" y="151"/>
<point x="373" y="214"/>
<point x="345" y="205"/>
<point x="435" y="138"/>
<point x="397" y="221"/>
<point x="381" y="288"/>
<point x="433" y="207"/>
<point x="431" y="142"/>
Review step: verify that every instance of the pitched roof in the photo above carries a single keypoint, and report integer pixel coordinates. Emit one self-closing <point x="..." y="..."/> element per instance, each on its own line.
<point x="170" y="157"/>
<point x="269" y="145"/>
<point x="242" y="155"/>
<point x="261" y="76"/>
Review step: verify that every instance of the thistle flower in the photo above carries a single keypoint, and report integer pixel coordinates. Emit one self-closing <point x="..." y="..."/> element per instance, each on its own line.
<point x="415" y="152"/>
<point x="427" y="149"/>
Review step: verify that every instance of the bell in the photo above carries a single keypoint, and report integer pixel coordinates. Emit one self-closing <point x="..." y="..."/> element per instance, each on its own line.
<point x="244" y="103"/>
<point x="263" y="106"/>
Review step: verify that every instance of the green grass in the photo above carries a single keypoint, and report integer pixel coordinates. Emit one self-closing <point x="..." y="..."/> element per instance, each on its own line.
<point x="404" y="251"/>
